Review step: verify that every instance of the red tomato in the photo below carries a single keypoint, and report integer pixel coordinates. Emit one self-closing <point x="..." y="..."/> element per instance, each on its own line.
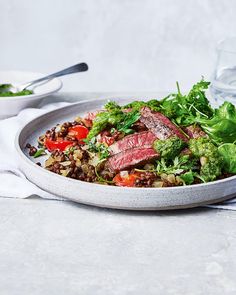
<point x="128" y="180"/>
<point x="61" y="145"/>
<point x="79" y="132"/>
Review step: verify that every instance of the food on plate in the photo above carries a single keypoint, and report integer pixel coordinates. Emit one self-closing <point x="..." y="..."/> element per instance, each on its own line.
<point x="178" y="140"/>
<point x="4" y="91"/>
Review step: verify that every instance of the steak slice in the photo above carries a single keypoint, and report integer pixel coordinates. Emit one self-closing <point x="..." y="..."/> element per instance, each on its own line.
<point x="160" y="125"/>
<point x="131" y="158"/>
<point x="195" y="131"/>
<point x="141" y="139"/>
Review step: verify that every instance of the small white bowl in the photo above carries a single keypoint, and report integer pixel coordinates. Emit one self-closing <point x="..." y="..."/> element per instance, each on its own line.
<point x="10" y="106"/>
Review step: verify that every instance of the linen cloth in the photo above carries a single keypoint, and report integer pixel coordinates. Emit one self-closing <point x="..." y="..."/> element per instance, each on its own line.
<point x="13" y="183"/>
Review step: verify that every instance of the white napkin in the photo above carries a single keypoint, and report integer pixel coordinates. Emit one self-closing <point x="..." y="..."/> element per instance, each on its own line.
<point x="13" y="183"/>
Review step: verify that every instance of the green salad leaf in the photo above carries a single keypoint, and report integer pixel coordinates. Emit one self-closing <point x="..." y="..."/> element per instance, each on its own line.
<point x="221" y="128"/>
<point x="228" y="152"/>
<point x="184" y="109"/>
<point x="188" y="177"/>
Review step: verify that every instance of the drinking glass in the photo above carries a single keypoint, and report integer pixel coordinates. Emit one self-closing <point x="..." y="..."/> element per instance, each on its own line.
<point x="223" y="85"/>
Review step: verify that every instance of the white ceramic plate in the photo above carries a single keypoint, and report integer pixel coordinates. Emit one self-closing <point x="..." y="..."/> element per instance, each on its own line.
<point x="110" y="196"/>
<point x="10" y="106"/>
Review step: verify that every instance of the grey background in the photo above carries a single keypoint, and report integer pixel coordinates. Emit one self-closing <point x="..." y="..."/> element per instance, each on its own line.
<point x="129" y="45"/>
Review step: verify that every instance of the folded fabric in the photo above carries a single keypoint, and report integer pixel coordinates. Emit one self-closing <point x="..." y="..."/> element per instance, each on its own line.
<point x="13" y="183"/>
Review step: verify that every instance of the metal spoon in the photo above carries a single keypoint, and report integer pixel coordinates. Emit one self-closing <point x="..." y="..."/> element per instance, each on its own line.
<point x="81" y="67"/>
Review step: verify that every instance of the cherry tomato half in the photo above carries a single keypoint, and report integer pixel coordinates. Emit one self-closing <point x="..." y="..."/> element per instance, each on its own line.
<point x="79" y="132"/>
<point x="127" y="180"/>
<point x="61" y="145"/>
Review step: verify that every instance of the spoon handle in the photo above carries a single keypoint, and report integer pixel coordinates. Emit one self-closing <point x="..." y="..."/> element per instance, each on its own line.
<point x="81" y="67"/>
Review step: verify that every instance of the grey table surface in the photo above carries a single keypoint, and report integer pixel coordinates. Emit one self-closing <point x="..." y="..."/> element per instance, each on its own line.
<point x="56" y="247"/>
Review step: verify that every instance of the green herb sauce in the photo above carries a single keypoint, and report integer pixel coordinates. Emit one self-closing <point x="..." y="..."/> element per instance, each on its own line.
<point x="4" y="92"/>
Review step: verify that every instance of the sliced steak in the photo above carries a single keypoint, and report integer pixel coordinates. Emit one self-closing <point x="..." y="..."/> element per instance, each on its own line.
<point x="160" y="125"/>
<point x="195" y="131"/>
<point x="131" y="158"/>
<point x="139" y="126"/>
<point x="141" y="139"/>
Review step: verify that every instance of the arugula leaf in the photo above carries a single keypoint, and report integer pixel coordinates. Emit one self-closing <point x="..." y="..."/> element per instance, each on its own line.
<point x="221" y="128"/>
<point x="184" y="109"/>
<point x="228" y="151"/>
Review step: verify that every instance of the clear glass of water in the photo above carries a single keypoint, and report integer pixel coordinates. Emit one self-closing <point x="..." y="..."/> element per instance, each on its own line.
<point x="223" y="85"/>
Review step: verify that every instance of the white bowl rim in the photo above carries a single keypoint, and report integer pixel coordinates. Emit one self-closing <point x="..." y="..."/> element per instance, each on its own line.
<point x="34" y="95"/>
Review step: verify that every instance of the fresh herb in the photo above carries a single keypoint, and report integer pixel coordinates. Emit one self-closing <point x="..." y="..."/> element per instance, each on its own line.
<point x="129" y="119"/>
<point x="221" y="128"/>
<point x="39" y="153"/>
<point x="183" y="109"/>
<point x="91" y="143"/>
<point x="103" y="151"/>
<point x="169" y="148"/>
<point x="99" y="148"/>
<point x="177" y="166"/>
<point x="228" y="152"/>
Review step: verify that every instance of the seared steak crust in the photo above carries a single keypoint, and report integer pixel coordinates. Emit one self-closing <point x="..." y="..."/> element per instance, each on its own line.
<point x="160" y="125"/>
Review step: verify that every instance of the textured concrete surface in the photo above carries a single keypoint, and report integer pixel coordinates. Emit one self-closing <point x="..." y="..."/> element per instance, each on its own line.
<point x="53" y="247"/>
<point x="129" y="45"/>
